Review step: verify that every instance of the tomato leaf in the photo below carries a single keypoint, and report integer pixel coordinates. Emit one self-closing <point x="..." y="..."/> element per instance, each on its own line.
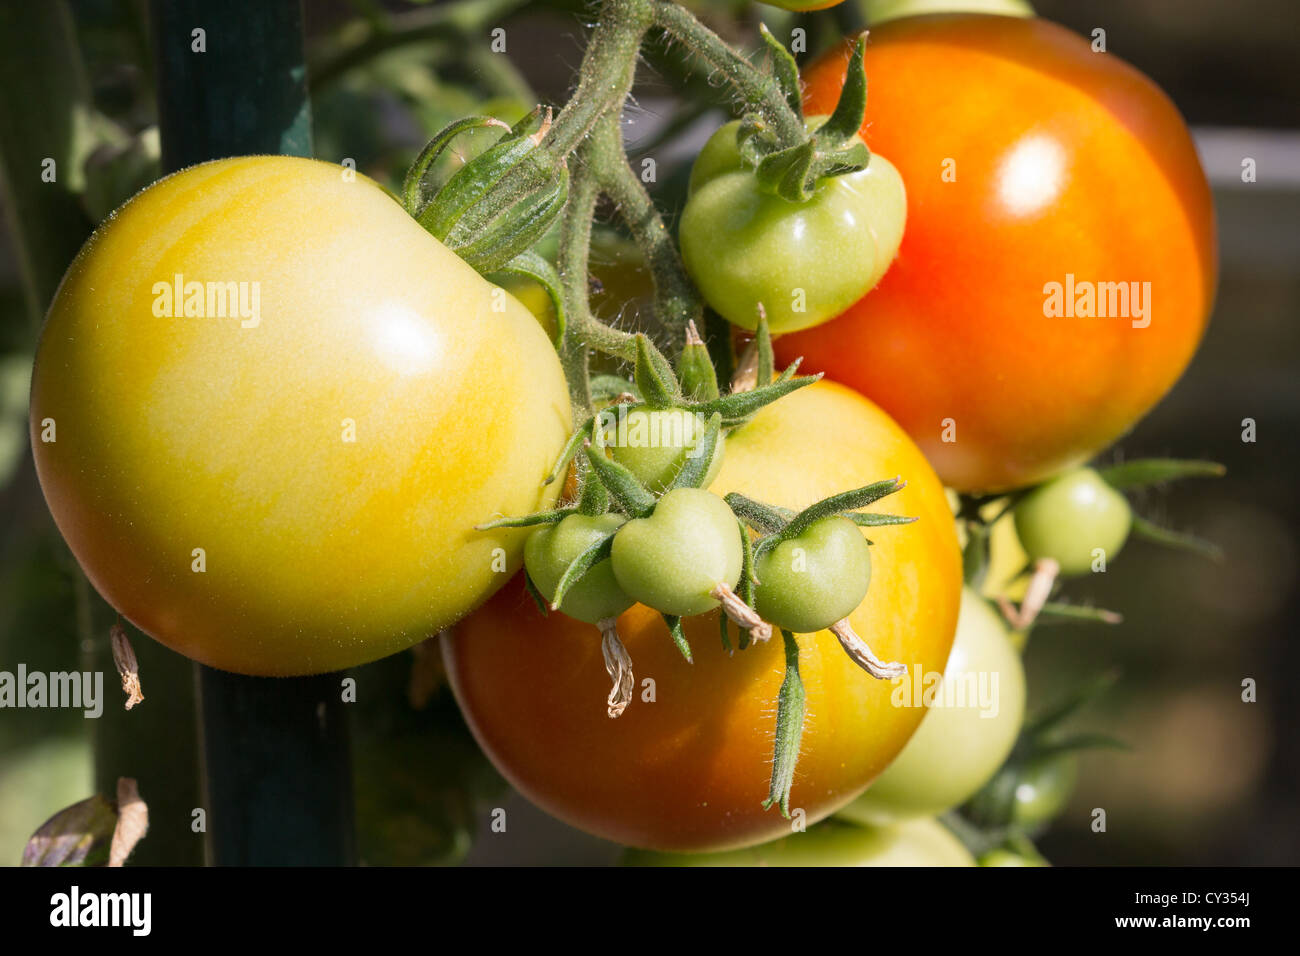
<point x="1181" y="540"/>
<point x="654" y="376"/>
<point x="790" y="710"/>
<point x="785" y="69"/>
<point x="413" y="185"/>
<point x="678" y="634"/>
<point x="593" y="499"/>
<point x="871" y="519"/>
<point x="1078" y="612"/>
<point x="695" y="369"/>
<point x="763" y="344"/>
<point x="570" y="449"/>
<point x="579" y="566"/>
<point x="765" y="519"/>
<point x="515" y="229"/>
<point x="838" y="504"/>
<point x="975" y="555"/>
<point x="699" y="459"/>
<point x="846" y="120"/>
<point x="538" y="598"/>
<point x="1078" y="742"/>
<point x="623" y="487"/>
<point x="1072" y="703"/>
<point x="738" y="406"/>
<point x="1153" y="471"/>
<point x="747" y="582"/>
<point x="528" y="521"/>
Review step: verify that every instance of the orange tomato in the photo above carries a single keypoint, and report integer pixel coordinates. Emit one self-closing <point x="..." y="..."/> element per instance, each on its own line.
<point x="689" y="768"/>
<point x="1029" y="160"/>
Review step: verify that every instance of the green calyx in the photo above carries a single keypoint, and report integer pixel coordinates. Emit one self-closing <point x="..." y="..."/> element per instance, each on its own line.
<point x="789" y="166"/>
<point x="489" y="229"/>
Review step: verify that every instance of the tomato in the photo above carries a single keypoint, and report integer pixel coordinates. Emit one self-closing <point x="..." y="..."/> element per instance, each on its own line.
<point x="1012" y="135"/>
<point x="810" y="581"/>
<point x="803" y="262"/>
<point x="1001" y="857"/>
<point x="964" y="738"/>
<point x="295" y="491"/>
<point x="1071" y="518"/>
<point x="688" y="765"/>
<point x="673" y="559"/>
<point x="551" y="549"/>
<point x="833" y="843"/>
<point x="653" y="443"/>
<point x="1043" y="788"/>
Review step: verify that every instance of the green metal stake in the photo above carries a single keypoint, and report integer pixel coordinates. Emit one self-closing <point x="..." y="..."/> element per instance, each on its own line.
<point x="276" y="762"/>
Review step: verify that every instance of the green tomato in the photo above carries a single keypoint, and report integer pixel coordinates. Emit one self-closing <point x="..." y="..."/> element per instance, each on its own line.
<point x="655" y="443"/>
<point x="1072" y="516"/>
<point x="804" y="262"/>
<point x="1043" y="787"/>
<point x="550" y="549"/>
<point x="833" y="843"/>
<point x="674" y="559"/>
<point x="879" y="11"/>
<point x="958" y="747"/>
<point x="809" y="582"/>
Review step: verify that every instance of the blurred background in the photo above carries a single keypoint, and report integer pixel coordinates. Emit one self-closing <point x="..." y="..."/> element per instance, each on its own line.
<point x="1208" y="779"/>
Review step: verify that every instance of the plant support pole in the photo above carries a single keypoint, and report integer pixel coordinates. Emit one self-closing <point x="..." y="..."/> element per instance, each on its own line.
<point x="276" y="761"/>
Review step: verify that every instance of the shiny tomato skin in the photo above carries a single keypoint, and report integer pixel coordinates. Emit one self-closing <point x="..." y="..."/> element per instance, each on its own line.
<point x="175" y="434"/>
<point x="1066" y="162"/>
<point x="689" y="769"/>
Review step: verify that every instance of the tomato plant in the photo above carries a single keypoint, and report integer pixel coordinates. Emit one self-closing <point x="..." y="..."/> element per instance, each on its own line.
<point x="686" y="766"/>
<point x="833" y="843"/>
<point x="966" y="734"/>
<point x="985" y="339"/>
<point x="290" y="488"/>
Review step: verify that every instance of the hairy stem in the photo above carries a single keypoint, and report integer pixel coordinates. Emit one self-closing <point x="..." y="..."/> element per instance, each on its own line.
<point x="758" y="90"/>
<point x="676" y="303"/>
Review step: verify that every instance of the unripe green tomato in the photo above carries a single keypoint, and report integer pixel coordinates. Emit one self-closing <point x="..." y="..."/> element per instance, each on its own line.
<point x="1071" y="516"/>
<point x="805" y="262"/>
<point x="1044" y="786"/>
<point x="833" y="843"/>
<point x="810" y="582"/>
<point x="879" y="11"/>
<point x="957" y="748"/>
<point x="674" y="558"/>
<point x="550" y="549"/>
<point x="802" y="6"/>
<point x="654" y="444"/>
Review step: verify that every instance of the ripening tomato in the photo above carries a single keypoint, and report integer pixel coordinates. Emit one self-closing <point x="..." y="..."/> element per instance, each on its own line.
<point x="277" y="468"/>
<point x="687" y="765"/>
<point x="1046" y="183"/>
<point x="833" y="843"/>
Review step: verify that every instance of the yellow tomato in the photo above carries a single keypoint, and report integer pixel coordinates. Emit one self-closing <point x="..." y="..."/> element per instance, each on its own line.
<point x="687" y="765"/>
<point x="268" y="410"/>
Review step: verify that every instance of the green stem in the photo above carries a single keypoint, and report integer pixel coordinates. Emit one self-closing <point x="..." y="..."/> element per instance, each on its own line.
<point x="574" y="252"/>
<point x="758" y="91"/>
<point x="676" y="301"/>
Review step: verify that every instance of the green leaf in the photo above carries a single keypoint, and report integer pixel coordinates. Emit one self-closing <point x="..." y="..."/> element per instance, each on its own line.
<point x="786" y="172"/>
<point x="678" y="634"/>
<point x="695" y="369"/>
<point x="738" y="406"/>
<point x="838" y="504"/>
<point x="512" y="231"/>
<point x="593" y="498"/>
<point x="1078" y="742"/>
<point x="845" y="122"/>
<point x="580" y="565"/>
<point x="412" y="186"/>
<point x="785" y="69"/>
<point x="630" y="495"/>
<point x="538" y="268"/>
<point x="527" y="521"/>
<point x="872" y="519"/>
<point x="790" y="709"/>
<point x="79" y="835"/>
<point x="975" y="555"/>
<point x="1079" y="612"/>
<point x="722" y="627"/>
<point x="699" y="459"/>
<point x="654" y="376"/>
<point x="1153" y="471"/>
<point x="1181" y="540"/>
<point x="765" y="519"/>
<point x="580" y="434"/>
<point x="538" y="598"/>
